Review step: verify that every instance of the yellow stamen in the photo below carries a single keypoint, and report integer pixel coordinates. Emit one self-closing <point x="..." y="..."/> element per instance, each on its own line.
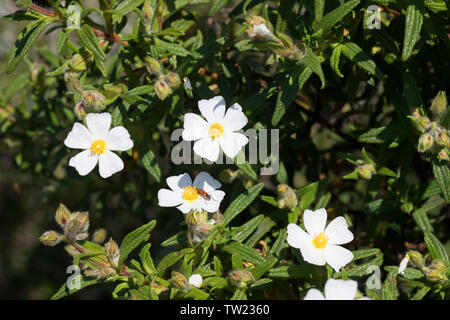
<point x="216" y="130"/>
<point x="98" y="146"/>
<point x="320" y="240"/>
<point x="190" y="194"/>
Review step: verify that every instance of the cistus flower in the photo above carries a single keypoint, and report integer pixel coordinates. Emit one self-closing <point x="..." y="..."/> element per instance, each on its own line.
<point x="196" y="280"/>
<point x="98" y="142"/>
<point x="320" y="245"/>
<point x="218" y="131"/>
<point x="336" y="289"/>
<point x="187" y="195"/>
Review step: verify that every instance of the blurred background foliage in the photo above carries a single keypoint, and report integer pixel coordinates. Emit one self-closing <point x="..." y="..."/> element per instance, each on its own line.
<point x="321" y="138"/>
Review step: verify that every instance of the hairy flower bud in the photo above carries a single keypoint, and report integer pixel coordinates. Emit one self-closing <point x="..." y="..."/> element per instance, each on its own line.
<point x="439" y="265"/>
<point x="366" y="171"/>
<point x="99" y="236"/>
<point x="194" y="218"/>
<point x="179" y="281"/>
<point x="162" y="89"/>
<point x="286" y="197"/>
<point x="444" y="155"/>
<point x="147" y="10"/>
<point x="173" y="80"/>
<point x="80" y="111"/>
<point x="435" y="275"/>
<point x="93" y="99"/>
<point x="439" y="103"/>
<point x="421" y="123"/>
<point x="78" y="62"/>
<point x="77" y="227"/>
<point x="62" y="215"/>
<point x="415" y="257"/>
<point x="442" y="138"/>
<point x="152" y="65"/>
<point x="72" y="82"/>
<point x="112" y="252"/>
<point x="426" y="142"/>
<point x="50" y="238"/>
<point x="240" y="278"/>
<point x="201" y="231"/>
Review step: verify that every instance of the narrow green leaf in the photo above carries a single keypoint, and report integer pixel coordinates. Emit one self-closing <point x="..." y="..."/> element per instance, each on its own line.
<point x="150" y="164"/>
<point x="313" y="62"/>
<point x="413" y="26"/>
<point x="241" y="202"/>
<point x="437" y="250"/>
<point x="355" y="54"/>
<point x="247" y="228"/>
<point x="259" y="270"/>
<point x="216" y="6"/>
<point x="84" y="282"/>
<point x="245" y="166"/>
<point x="335" y="58"/>
<point x="441" y="173"/>
<point x="334" y="17"/>
<point x="421" y="219"/>
<point x="245" y="252"/>
<point x="134" y="239"/>
<point x="290" y="272"/>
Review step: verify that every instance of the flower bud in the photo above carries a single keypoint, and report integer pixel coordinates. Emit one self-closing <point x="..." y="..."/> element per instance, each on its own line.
<point x="421" y="123"/>
<point x="179" y="281"/>
<point x="152" y="65"/>
<point x="416" y="257"/>
<point x="435" y="275"/>
<point x="240" y="278"/>
<point x="147" y="10"/>
<point x="93" y="99"/>
<point x="72" y="82"/>
<point x="74" y="17"/>
<point x="439" y="103"/>
<point x="50" y="238"/>
<point x="426" y="142"/>
<point x="99" y="236"/>
<point x="77" y="63"/>
<point x="201" y="231"/>
<point x="443" y="138"/>
<point x="112" y="252"/>
<point x="80" y="111"/>
<point x="62" y="215"/>
<point x="77" y="226"/>
<point x="366" y="171"/>
<point x="439" y="265"/>
<point x="173" y="80"/>
<point x="194" y="218"/>
<point x="286" y="197"/>
<point x="162" y="89"/>
<point x="444" y="155"/>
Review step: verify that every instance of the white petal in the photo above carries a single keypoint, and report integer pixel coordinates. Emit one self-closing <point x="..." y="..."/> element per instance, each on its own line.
<point x="205" y="181"/>
<point x="177" y="183"/>
<point x="79" y="137"/>
<point x="212" y="109"/>
<point x="207" y="148"/>
<point x="213" y="204"/>
<point x="118" y="139"/>
<point x="98" y="124"/>
<point x="296" y="237"/>
<point x="195" y="127"/>
<point x="314" y="294"/>
<point x="187" y="206"/>
<point x="168" y="198"/>
<point x="196" y="280"/>
<point x="403" y="264"/>
<point x="262" y="30"/>
<point x="84" y="162"/>
<point x="315" y="221"/>
<point x="232" y="142"/>
<point x="109" y="163"/>
<point x="337" y="231"/>
<point x="234" y="119"/>
<point x="312" y="255"/>
<point x="337" y="256"/>
<point x="337" y="289"/>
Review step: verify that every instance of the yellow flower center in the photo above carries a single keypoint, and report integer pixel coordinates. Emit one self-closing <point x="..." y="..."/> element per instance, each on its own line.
<point x="98" y="146"/>
<point x="320" y="240"/>
<point x="190" y="194"/>
<point x="216" y="130"/>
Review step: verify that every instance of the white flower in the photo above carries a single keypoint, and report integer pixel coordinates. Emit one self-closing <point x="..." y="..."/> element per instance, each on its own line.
<point x="196" y="280"/>
<point x="187" y="196"/>
<point x="403" y="264"/>
<point x="320" y="245"/>
<point x="218" y="131"/>
<point x="336" y="289"/>
<point x="262" y="31"/>
<point x="98" y="142"/>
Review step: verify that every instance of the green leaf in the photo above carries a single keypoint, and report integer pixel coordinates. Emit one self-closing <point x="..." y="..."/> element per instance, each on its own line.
<point x="259" y="270"/>
<point x="245" y="166"/>
<point x="196" y="294"/>
<point x="319" y="6"/>
<point x="241" y="202"/>
<point x="334" y="17"/>
<point x="146" y="259"/>
<point x="134" y="239"/>
<point x="178" y="239"/>
<point x="25" y="41"/>
<point x="355" y="54"/>
<point x="441" y="173"/>
<point x="307" y="194"/>
<point x="290" y="272"/>
<point x="62" y="39"/>
<point x="245" y="252"/>
<point x="413" y="26"/>
<point x="247" y="228"/>
<point x="313" y="62"/>
<point x="167" y="49"/>
<point x="421" y="219"/>
<point x="279" y="243"/>
<point x="437" y="250"/>
<point x="64" y="291"/>
<point x="365" y="253"/>
<point x="216" y="6"/>
<point x="335" y="58"/>
<point x="151" y="165"/>
<point x="262" y="229"/>
<point x="90" y="41"/>
<point x="239" y="294"/>
<point x="382" y="135"/>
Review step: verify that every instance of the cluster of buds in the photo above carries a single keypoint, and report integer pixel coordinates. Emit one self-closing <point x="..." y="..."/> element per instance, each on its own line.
<point x="433" y="138"/>
<point x="200" y="224"/>
<point x="75" y="226"/>
<point x="286" y="197"/>
<point x="281" y="44"/>
<point x="365" y="170"/>
<point x="436" y="271"/>
<point x="166" y="83"/>
<point x="240" y="278"/>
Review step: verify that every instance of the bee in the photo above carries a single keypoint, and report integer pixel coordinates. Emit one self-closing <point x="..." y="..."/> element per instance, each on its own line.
<point x="204" y="194"/>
